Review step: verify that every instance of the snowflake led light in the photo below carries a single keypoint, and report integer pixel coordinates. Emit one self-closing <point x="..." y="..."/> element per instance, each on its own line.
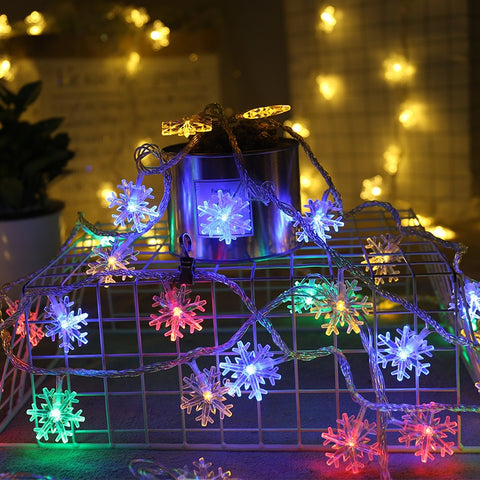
<point x="205" y="392"/>
<point x="187" y="126"/>
<point x="385" y="252"/>
<point x="250" y="370"/>
<point x="225" y="217"/>
<point x="263" y="112"/>
<point x="427" y="433"/>
<point x="65" y="323"/>
<point x="340" y="305"/>
<point x="55" y="415"/>
<point x="469" y="308"/>
<point x="304" y="294"/>
<point x="351" y="442"/>
<point x="203" y="471"/>
<point x="405" y="352"/>
<point x="113" y="258"/>
<point x="35" y="332"/>
<point x="177" y="311"/>
<point x="132" y="205"/>
<point x="321" y="219"/>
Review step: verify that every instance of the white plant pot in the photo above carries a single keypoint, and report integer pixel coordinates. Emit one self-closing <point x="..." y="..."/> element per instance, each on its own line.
<point x="28" y="244"/>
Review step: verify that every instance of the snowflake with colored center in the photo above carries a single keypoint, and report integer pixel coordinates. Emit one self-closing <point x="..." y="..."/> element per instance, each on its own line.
<point x="250" y="370"/>
<point x="303" y="293"/>
<point x="35" y="332"/>
<point x="427" y="433"/>
<point x="112" y="259"/>
<point x="351" y="442"/>
<point x="321" y="219"/>
<point x="132" y="205"/>
<point x="177" y="311"/>
<point x="202" y="471"/>
<point x="66" y="324"/>
<point x="205" y="393"/>
<point x="405" y="352"/>
<point x="385" y="252"/>
<point x="340" y="305"/>
<point x="225" y="217"/>
<point x="468" y="304"/>
<point x="55" y="415"/>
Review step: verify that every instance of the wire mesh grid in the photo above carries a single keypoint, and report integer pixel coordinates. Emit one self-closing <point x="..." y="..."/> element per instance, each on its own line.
<point x="145" y="409"/>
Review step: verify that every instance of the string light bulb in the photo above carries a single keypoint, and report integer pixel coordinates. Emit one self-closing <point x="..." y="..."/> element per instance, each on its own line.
<point x="328" y="86"/>
<point x="372" y="188"/>
<point x="159" y="35"/>
<point x="327" y="19"/>
<point x="391" y="157"/>
<point x="5" y="28"/>
<point x="397" y="69"/>
<point x="35" y="23"/>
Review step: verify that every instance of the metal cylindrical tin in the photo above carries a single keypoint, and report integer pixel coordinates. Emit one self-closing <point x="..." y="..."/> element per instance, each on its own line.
<point x="197" y="176"/>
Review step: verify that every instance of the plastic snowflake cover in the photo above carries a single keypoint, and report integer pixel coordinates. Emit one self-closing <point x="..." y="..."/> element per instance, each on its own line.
<point x="111" y="259"/>
<point x="351" y="442"/>
<point x="132" y="205"/>
<point x="250" y="370"/>
<point x="55" y="415"/>
<point x="203" y="471"/>
<point x="304" y="293"/>
<point x="321" y="218"/>
<point x="468" y="307"/>
<point x="227" y="217"/>
<point x="35" y="331"/>
<point x="206" y="394"/>
<point x="405" y="352"/>
<point x="339" y="304"/>
<point x="385" y="252"/>
<point x="427" y="433"/>
<point x="177" y="311"/>
<point x="66" y="324"/>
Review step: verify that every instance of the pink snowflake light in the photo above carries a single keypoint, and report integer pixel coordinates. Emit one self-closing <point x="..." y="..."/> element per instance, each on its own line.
<point x="351" y="442"/>
<point x="427" y="433"/>
<point x="35" y="332"/>
<point x="177" y="311"/>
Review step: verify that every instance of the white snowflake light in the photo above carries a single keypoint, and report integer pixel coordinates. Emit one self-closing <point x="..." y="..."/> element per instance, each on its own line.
<point x="340" y="305"/>
<point x="385" y="253"/>
<point x="65" y="323"/>
<point x="205" y="393"/>
<point x="469" y="308"/>
<point x="351" y="442"/>
<point x="405" y="352"/>
<point x="427" y="433"/>
<point x="250" y="370"/>
<point x="114" y="258"/>
<point x="55" y="415"/>
<point x="132" y="205"/>
<point x="227" y="217"/>
<point x="321" y="218"/>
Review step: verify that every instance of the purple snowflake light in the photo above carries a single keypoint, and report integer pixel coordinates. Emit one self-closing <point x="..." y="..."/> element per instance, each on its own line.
<point x="66" y="324"/>
<point x="339" y="304"/>
<point x="132" y="205"/>
<point x="177" y="311"/>
<point x="321" y="218"/>
<point x="385" y="254"/>
<point x="227" y="217"/>
<point x="427" y="433"/>
<point x="250" y="370"/>
<point x="205" y="393"/>
<point x="405" y="352"/>
<point x="351" y="442"/>
<point x="468" y="304"/>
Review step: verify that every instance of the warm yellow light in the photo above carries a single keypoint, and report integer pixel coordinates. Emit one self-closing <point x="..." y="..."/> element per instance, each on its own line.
<point x="391" y="158"/>
<point x="340" y="306"/>
<point x="138" y="16"/>
<point x="5" y="28"/>
<point x="298" y="127"/>
<point x="398" y="69"/>
<point x="305" y="181"/>
<point x="133" y="62"/>
<point x="187" y="126"/>
<point x="6" y="71"/>
<point x="328" y="86"/>
<point x="263" y="112"/>
<point x="327" y="19"/>
<point x="207" y="395"/>
<point x="411" y="115"/>
<point x="112" y="261"/>
<point x="35" y="23"/>
<point x="372" y="188"/>
<point x="105" y="191"/>
<point x="159" y="35"/>
<point x="441" y="232"/>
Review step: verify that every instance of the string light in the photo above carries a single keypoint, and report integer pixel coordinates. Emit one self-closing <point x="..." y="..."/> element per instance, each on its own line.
<point x="263" y="112"/>
<point x="187" y="126"/>
<point x="133" y="62"/>
<point x="372" y="188"/>
<point x="5" y="28"/>
<point x="298" y="127"/>
<point x="35" y="23"/>
<point x="159" y="35"/>
<point x="137" y="16"/>
<point x="327" y="19"/>
<point x="391" y="157"/>
<point x="397" y="69"/>
<point x="328" y="86"/>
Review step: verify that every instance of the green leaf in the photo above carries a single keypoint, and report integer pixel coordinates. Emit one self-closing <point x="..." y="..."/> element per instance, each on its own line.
<point x="27" y="95"/>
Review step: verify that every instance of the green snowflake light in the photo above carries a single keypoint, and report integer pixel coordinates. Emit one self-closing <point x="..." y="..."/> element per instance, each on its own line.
<point x="55" y="415"/>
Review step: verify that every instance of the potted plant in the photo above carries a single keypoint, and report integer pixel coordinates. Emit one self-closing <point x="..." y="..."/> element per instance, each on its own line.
<point x="32" y="155"/>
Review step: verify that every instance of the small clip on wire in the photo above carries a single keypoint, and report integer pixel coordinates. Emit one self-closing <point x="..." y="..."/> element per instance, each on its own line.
<point x="187" y="263"/>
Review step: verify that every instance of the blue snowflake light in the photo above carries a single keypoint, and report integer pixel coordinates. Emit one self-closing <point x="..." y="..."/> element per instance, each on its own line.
<point x="65" y="323"/>
<point x="321" y="218"/>
<point x="250" y="370"/>
<point x="227" y="217"/>
<point x="405" y="352"/>
<point x="55" y="415"/>
<point x="132" y="205"/>
<point x="468" y="304"/>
